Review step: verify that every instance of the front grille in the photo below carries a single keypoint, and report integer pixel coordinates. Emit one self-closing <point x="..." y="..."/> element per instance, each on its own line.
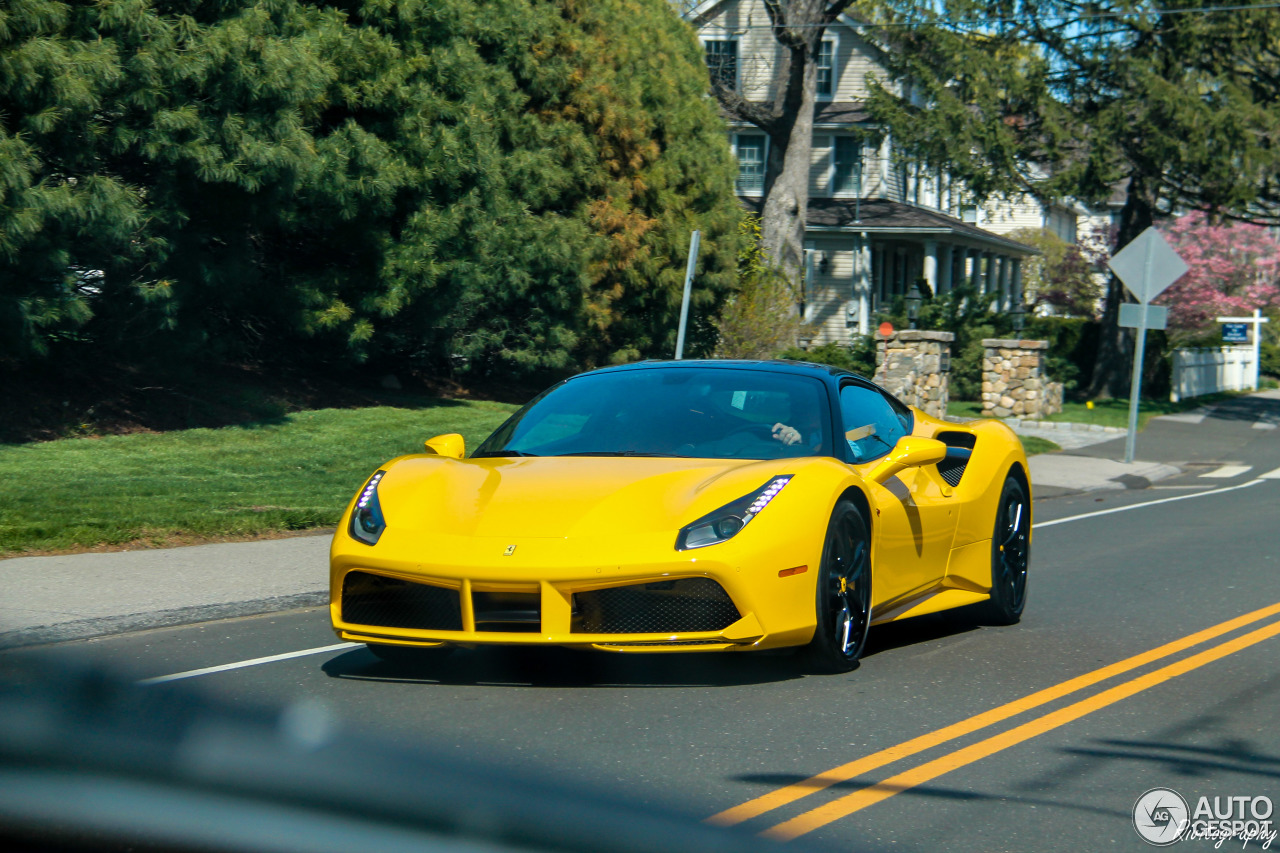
<point x="664" y="607"/>
<point x="507" y="611"/>
<point x="390" y="603"/>
<point x="952" y="469"/>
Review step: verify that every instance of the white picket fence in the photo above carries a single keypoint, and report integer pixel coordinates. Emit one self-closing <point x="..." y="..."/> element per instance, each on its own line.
<point x="1207" y="371"/>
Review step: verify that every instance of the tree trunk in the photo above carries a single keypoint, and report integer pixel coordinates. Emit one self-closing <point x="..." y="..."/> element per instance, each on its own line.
<point x="1113" y="368"/>
<point x="786" y="199"/>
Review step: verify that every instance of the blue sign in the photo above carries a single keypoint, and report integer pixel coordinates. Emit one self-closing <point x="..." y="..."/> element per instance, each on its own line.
<point x="1235" y="333"/>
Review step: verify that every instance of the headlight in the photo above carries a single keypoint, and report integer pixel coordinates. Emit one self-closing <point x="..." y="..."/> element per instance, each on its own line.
<point x="723" y="524"/>
<point x="367" y="521"/>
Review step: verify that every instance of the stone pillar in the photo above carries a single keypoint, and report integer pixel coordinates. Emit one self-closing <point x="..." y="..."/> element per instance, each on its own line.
<point x="915" y="366"/>
<point x="1013" y="380"/>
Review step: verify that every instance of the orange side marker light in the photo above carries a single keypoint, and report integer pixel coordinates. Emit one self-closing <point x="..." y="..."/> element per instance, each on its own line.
<point x="798" y="570"/>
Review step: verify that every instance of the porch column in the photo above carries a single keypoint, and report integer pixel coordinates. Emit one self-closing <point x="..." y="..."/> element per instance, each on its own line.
<point x="946" y="263"/>
<point x="1018" y="295"/>
<point x="930" y="271"/>
<point x="862" y="283"/>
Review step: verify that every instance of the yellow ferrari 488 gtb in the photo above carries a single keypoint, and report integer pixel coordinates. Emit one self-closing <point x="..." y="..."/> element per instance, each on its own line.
<point x="688" y="506"/>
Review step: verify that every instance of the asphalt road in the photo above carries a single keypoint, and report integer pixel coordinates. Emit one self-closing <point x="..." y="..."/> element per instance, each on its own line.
<point x="1107" y="702"/>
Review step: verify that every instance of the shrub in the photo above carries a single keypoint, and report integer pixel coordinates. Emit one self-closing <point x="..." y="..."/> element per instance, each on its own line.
<point x="859" y="358"/>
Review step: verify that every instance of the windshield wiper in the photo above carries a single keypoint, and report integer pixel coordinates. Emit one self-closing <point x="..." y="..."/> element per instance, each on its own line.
<point x="493" y="453"/>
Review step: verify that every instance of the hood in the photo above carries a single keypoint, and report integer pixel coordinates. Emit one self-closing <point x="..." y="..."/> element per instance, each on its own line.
<point x="564" y="497"/>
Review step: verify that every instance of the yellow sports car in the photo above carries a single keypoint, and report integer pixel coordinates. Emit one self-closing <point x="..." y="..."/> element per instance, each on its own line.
<point x="688" y="506"/>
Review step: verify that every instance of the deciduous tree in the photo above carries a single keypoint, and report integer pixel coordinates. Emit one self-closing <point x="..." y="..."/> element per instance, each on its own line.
<point x="1233" y="269"/>
<point x="1168" y="99"/>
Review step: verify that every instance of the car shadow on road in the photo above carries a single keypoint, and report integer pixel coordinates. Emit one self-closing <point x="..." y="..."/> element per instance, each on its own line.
<point x="508" y="666"/>
<point x="499" y="666"/>
<point x="920" y="629"/>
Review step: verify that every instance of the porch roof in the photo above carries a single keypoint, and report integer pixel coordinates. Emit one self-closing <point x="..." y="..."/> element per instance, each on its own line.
<point x="891" y="218"/>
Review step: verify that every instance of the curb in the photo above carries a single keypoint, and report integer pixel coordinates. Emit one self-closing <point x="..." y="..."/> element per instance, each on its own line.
<point x="86" y="629"/>
<point x="1063" y="426"/>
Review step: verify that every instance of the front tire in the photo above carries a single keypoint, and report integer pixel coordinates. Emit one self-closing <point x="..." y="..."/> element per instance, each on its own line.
<point x="843" y="594"/>
<point x="1010" y="556"/>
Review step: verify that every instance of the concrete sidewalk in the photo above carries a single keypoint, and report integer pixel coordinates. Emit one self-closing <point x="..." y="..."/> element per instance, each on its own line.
<point x="51" y="599"/>
<point x="75" y="596"/>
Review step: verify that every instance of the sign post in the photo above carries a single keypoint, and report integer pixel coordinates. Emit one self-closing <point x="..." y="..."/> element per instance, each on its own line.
<point x="1232" y="332"/>
<point x="1146" y="267"/>
<point x="695" y="240"/>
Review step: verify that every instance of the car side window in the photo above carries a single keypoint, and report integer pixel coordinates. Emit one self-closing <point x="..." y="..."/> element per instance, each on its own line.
<point x="872" y="422"/>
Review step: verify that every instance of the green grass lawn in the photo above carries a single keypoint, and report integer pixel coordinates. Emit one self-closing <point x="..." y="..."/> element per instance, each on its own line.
<point x="1033" y="445"/>
<point x="293" y="473"/>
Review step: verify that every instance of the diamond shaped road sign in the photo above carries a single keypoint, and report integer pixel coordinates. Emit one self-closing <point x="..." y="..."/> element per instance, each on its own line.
<point x="1147" y="265"/>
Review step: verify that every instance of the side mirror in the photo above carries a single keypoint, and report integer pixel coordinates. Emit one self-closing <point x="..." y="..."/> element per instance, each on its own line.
<point x="910" y="452"/>
<point x="450" y="444"/>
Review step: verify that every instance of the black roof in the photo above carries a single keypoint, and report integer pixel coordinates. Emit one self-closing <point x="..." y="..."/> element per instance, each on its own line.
<point x="776" y="365"/>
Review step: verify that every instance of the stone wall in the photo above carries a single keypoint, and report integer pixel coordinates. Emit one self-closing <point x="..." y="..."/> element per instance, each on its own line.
<point x="915" y="367"/>
<point x="1013" y="380"/>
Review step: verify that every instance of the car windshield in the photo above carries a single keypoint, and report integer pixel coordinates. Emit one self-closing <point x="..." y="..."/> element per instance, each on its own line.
<point x="703" y="412"/>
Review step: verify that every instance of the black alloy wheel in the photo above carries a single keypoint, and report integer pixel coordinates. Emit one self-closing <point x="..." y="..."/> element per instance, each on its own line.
<point x="1010" y="555"/>
<point x="843" y="594"/>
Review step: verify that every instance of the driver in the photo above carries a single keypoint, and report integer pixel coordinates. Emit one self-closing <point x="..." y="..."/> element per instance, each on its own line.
<point x="805" y="430"/>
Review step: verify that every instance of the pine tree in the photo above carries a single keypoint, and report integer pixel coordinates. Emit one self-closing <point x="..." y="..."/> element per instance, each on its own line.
<point x="512" y="183"/>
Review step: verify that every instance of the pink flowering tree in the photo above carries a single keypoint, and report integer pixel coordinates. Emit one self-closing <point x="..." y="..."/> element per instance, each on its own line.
<point x="1234" y="268"/>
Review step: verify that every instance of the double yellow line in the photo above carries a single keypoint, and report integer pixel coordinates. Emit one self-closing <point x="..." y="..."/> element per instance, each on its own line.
<point x="871" y="794"/>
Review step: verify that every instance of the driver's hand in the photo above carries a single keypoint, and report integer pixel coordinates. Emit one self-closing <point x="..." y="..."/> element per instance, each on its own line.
<point x="786" y="434"/>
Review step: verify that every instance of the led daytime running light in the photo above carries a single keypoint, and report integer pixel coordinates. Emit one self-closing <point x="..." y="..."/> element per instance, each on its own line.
<point x="770" y="492"/>
<point x="728" y="521"/>
<point x="367" y="520"/>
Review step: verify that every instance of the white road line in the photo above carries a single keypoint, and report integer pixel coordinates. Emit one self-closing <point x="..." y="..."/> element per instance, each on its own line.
<point x="1226" y="472"/>
<point x="1146" y="504"/>
<point x="208" y="670"/>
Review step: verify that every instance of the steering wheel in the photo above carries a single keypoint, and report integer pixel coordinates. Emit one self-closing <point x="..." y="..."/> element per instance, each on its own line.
<point x="763" y="432"/>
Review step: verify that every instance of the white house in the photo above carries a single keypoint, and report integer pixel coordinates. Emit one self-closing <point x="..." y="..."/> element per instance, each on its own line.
<point x="875" y="223"/>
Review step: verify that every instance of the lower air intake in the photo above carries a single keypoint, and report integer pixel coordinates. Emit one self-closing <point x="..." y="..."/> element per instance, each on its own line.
<point x="390" y="603"/>
<point x="665" y="607"/>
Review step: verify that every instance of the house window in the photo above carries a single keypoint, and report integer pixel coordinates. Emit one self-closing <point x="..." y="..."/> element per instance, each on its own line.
<point x="969" y="213"/>
<point x="826" y="68"/>
<point x="722" y="62"/>
<point x="751" y="148"/>
<point x="846" y="166"/>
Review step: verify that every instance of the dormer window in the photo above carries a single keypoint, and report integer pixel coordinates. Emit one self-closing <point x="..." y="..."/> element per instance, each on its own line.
<point x="846" y="166"/>
<point x="722" y="62"/>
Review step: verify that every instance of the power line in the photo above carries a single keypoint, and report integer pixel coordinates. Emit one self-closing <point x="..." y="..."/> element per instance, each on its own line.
<point x="1060" y="19"/>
